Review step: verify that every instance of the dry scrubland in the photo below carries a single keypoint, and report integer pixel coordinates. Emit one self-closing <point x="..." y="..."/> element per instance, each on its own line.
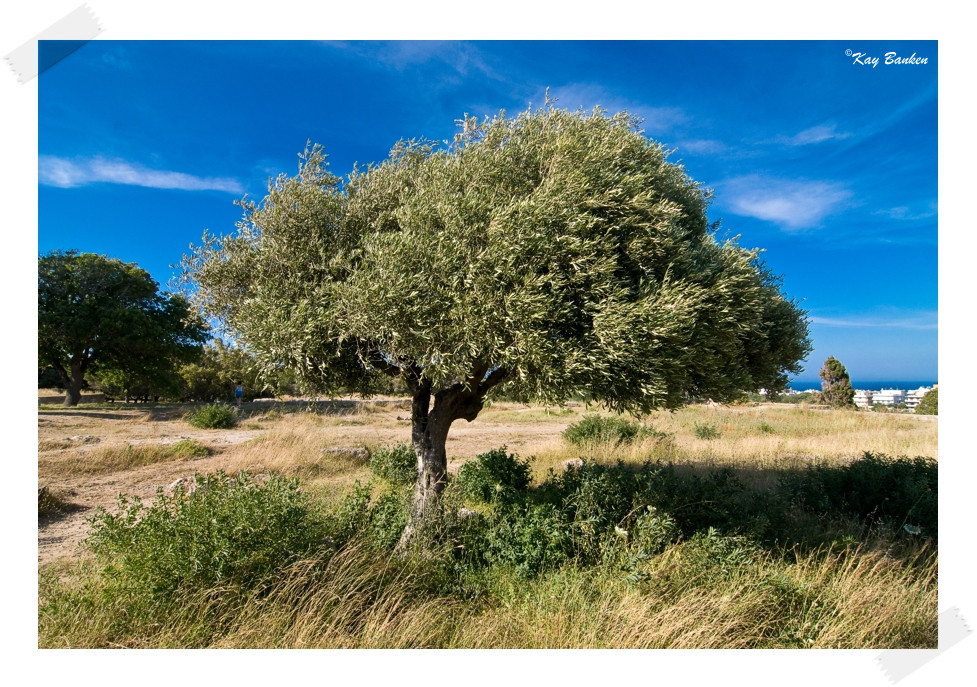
<point x="841" y="582"/>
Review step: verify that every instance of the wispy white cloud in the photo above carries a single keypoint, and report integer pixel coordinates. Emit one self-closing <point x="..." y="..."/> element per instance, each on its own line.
<point x="655" y="119"/>
<point x="919" y="320"/>
<point x="792" y="204"/>
<point x="815" y="134"/>
<point x="64" y="173"/>
<point x="463" y="59"/>
<point x="904" y="212"/>
<point x="706" y="146"/>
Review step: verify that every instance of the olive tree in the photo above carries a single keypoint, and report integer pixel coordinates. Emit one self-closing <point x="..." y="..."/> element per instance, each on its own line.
<point x="542" y="256"/>
<point x="98" y="313"/>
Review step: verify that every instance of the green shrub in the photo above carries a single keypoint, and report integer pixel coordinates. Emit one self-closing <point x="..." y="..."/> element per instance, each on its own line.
<point x="711" y="555"/>
<point x="351" y="516"/>
<point x="596" y="429"/>
<point x="895" y="491"/>
<point x="227" y="531"/>
<point x="704" y="431"/>
<point x="396" y="464"/>
<point x="379" y="521"/>
<point x="530" y="539"/>
<point x="388" y="518"/>
<point x="213" y="416"/>
<point x="494" y="476"/>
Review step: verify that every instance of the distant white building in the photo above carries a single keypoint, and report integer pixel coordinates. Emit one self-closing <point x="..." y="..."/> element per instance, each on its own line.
<point x="916" y="395"/>
<point x="888" y="397"/>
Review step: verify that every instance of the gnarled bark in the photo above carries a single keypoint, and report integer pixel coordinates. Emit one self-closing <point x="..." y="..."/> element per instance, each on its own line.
<point x="429" y="432"/>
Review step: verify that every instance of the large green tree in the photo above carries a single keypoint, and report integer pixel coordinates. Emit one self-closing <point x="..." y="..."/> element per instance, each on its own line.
<point x="836" y="389"/>
<point x="95" y="312"/>
<point x="546" y="255"/>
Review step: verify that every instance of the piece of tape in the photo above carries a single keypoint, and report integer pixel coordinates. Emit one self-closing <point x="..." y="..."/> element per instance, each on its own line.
<point x="53" y="44"/>
<point x="898" y="663"/>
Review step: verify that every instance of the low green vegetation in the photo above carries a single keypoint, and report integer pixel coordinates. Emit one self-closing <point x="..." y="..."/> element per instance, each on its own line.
<point x="228" y="531"/>
<point x="703" y="430"/>
<point x="213" y="416"/>
<point x="495" y="476"/>
<point x="598" y="429"/>
<point x="396" y="464"/>
<point x="594" y="555"/>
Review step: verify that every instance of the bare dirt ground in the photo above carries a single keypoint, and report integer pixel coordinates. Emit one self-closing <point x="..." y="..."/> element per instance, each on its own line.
<point x="67" y="436"/>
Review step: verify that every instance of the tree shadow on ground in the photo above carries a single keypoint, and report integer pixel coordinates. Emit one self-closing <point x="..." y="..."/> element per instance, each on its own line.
<point x="873" y="498"/>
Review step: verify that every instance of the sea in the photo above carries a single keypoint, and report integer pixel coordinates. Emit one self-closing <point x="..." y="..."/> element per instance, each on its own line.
<point x="869" y="385"/>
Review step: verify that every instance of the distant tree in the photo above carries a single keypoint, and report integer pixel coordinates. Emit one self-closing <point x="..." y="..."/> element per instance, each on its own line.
<point x="213" y="376"/>
<point x="146" y="380"/>
<point x="96" y="313"/>
<point x="929" y="403"/>
<point x="836" y="389"/>
<point x="543" y="257"/>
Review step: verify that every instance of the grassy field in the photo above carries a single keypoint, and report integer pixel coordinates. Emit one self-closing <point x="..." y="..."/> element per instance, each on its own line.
<point x="719" y="527"/>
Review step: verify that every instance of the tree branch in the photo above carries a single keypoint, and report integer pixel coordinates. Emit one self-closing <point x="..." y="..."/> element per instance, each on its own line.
<point x="496" y="377"/>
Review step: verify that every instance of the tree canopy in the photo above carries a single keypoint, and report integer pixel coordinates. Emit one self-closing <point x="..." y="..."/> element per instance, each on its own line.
<point x="547" y="255"/>
<point x="929" y="404"/>
<point x="96" y="313"/>
<point x="836" y="389"/>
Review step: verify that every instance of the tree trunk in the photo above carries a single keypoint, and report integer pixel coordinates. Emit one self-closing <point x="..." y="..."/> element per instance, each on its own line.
<point x="429" y="432"/>
<point x="72" y="384"/>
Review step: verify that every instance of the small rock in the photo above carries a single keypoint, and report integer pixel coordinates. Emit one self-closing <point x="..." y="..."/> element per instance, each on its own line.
<point x="350" y="451"/>
<point x="572" y="404"/>
<point x="573" y="463"/>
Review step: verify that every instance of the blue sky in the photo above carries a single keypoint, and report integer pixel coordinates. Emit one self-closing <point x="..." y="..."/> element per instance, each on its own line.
<point x="828" y="164"/>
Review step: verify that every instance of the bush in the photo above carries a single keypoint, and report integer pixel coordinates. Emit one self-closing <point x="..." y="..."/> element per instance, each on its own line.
<point x="531" y="539"/>
<point x="213" y="416"/>
<point x="704" y="431"/>
<point x="227" y="531"/>
<point x="494" y="476"/>
<point x="596" y="429"/>
<point x="895" y="491"/>
<point x="396" y="464"/>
